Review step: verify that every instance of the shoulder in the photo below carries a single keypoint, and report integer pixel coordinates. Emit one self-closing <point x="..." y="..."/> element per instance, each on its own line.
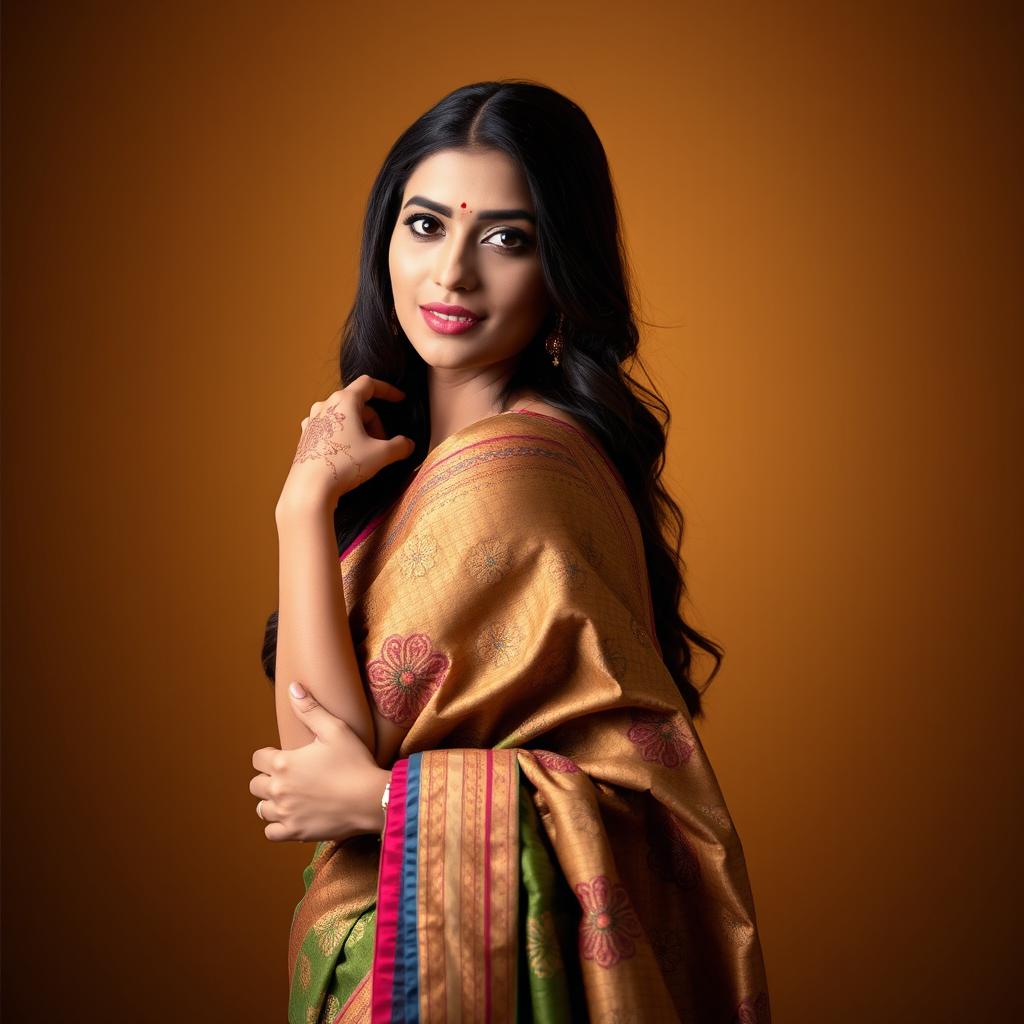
<point x="553" y="412"/>
<point x="529" y="457"/>
<point x="545" y="408"/>
<point x="529" y="483"/>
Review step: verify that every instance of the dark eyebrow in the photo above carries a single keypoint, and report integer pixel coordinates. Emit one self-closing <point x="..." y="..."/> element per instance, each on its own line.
<point x="446" y="211"/>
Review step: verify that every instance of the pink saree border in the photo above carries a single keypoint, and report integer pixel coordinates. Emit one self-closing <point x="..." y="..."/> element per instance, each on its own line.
<point x="388" y="892"/>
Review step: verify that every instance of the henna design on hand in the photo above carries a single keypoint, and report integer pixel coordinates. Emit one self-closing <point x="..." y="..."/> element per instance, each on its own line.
<point x="317" y="441"/>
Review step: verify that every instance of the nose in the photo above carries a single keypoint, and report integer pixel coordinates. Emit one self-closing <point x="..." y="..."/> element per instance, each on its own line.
<point x="456" y="264"/>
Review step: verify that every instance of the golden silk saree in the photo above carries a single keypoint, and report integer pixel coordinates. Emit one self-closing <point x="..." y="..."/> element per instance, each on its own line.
<point x="557" y="847"/>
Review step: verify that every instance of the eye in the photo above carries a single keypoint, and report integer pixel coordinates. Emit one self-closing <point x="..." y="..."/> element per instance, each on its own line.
<point x="419" y="216"/>
<point x="523" y="240"/>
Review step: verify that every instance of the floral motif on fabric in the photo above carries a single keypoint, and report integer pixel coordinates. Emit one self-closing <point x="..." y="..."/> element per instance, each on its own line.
<point x="405" y="676"/>
<point x="661" y="737"/>
<point x="555" y="762"/>
<point x="716" y="814"/>
<point x="332" y="1007"/>
<point x="542" y="951"/>
<point x="670" y="853"/>
<point x="639" y="633"/>
<point x="584" y="816"/>
<point x="328" y="931"/>
<point x="609" y="924"/>
<point x="358" y="931"/>
<point x="568" y="570"/>
<point x="417" y="555"/>
<point x="613" y="656"/>
<point x="499" y="643"/>
<point x="489" y="560"/>
<point x="305" y="970"/>
<point x="754" y="1010"/>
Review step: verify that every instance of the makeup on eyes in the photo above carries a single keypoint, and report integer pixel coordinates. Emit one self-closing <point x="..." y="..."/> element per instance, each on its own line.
<point x="525" y="241"/>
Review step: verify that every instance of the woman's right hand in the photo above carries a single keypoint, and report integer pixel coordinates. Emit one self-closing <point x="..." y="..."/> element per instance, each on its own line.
<point x="343" y="444"/>
<point x="331" y="788"/>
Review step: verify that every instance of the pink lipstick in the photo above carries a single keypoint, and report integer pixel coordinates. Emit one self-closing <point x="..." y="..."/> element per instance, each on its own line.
<point x="445" y="319"/>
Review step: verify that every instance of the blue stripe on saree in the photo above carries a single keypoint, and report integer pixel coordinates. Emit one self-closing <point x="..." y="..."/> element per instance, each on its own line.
<point x="406" y="998"/>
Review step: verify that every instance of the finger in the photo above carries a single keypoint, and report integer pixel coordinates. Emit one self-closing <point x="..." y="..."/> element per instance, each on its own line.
<point x="367" y="387"/>
<point x="277" y="832"/>
<point x="398" y="447"/>
<point x="320" y="721"/>
<point x="269" y="812"/>
<point x="263" y="759"/>
<point x="259" y="785"/>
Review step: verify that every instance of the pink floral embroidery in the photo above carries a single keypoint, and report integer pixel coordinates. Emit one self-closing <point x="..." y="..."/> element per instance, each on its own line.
<point x="405" y="676"/>
<point x="754" y="1011"/>
<point x="555" y="762"/>
<point x="660" y="737"/>
<point x="609" y="923"/>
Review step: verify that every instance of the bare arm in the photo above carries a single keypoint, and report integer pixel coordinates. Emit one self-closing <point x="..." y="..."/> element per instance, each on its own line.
<point x="314" y="642"/>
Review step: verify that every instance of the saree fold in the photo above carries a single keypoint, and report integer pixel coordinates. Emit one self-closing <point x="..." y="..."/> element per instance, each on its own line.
<point x="557" y="846"/>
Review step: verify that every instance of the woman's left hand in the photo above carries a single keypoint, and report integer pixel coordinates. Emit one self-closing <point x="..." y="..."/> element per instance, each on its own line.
<point x="329" y="789"/>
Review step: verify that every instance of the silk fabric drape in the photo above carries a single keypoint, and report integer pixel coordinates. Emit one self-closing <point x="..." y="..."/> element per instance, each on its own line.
<point x="557" y="847"/>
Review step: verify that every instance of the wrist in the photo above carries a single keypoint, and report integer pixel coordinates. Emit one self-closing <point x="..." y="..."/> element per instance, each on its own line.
<point x="293" y="506"/>
<point x="378" y="816"/>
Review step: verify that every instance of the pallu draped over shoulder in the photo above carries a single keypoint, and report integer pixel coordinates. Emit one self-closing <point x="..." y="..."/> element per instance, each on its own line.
<point x="557" y="847"/>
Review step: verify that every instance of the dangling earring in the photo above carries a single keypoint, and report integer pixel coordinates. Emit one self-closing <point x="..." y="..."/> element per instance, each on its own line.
<point x="554" y="341"/>
<point x="394" y="322"/>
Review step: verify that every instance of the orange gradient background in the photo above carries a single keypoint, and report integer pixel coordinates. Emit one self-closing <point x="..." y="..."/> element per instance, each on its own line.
<point x="822" y="204"/>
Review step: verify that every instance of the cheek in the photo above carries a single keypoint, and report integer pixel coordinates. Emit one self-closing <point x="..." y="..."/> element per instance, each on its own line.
<point x="524" y="295"/>
<point x="391" y="260"/>
<point x="402" y="263"/>
<point x="394" y="260"/>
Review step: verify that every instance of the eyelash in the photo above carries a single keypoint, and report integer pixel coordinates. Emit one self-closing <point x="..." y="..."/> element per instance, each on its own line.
<point x="523" y="238"/>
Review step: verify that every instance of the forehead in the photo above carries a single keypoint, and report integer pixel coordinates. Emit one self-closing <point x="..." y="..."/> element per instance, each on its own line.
<point x="479" y="178"/>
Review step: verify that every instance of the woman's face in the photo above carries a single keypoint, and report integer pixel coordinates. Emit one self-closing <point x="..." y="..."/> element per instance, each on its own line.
<point x="464" y="237"/>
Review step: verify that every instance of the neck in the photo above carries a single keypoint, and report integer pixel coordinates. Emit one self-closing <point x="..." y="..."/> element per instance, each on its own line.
<point x="458" y="399"/>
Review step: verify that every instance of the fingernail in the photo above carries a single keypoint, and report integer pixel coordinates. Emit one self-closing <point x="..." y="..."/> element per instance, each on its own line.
<point x="297" y="690"/>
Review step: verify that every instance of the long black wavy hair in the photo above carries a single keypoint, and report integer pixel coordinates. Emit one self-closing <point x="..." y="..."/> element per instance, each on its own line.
<point x="585" y="268"/>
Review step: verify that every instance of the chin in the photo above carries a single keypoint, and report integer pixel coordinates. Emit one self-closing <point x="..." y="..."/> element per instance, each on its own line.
<point x="444" y="351"/>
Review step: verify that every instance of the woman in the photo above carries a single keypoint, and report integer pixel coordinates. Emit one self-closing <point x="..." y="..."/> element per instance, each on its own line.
<point x="505" y="637"/>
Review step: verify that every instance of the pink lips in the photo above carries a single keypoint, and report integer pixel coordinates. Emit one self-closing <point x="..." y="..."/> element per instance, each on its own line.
<point x="441" y="326"/>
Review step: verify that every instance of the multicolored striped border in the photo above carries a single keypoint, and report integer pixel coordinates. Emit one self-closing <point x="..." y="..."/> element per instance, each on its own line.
<point x="447" y="900"/>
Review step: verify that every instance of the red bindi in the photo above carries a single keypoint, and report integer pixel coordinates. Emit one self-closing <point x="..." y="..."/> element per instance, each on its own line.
<point x="463" y="205"/>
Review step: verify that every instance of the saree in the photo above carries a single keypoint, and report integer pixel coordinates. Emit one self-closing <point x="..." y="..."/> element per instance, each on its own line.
<point x="556" y="846"/>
